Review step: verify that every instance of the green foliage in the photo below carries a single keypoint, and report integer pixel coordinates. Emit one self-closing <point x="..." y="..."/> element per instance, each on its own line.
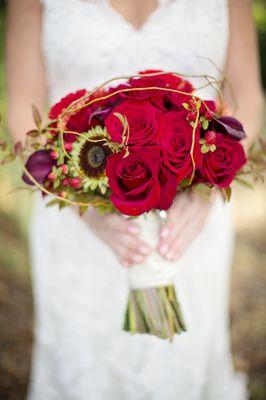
<point x="260" y="19"/>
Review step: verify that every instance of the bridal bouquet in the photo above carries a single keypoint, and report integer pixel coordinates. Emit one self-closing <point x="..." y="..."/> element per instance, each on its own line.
<point x="131" y="149"/>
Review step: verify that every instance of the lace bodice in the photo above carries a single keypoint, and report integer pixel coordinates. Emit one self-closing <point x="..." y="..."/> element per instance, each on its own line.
<point x="86" y="42"/>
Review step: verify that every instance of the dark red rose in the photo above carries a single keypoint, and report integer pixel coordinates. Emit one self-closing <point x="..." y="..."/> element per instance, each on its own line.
<point x="39" y="165"/>
<point x="78" y="122"/>
<point x="57" y="109"/>
<point x="160" y="98"/>
<point x="230" y="126"/>
<point x="176" y="141"/>
<point x="168" y="189"/>
<point x="142" y="119"/>
<point x="133" y="180"/>
<point x="220" y="167"/>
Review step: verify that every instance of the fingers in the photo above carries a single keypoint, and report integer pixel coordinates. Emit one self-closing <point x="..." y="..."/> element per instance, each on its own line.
<point x="181" y="241"/>
<point x="184" y="225"/>
<point x="115" y="221"/>
<point x="173" y="214"/>
<point x="129" y="250"/>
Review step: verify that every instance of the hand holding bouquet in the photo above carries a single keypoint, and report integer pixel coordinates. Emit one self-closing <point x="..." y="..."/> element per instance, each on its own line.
<point x="131" y="149"/>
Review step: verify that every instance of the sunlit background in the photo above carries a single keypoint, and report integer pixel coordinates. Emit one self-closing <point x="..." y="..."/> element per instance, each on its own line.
<point x="248" y="298"/>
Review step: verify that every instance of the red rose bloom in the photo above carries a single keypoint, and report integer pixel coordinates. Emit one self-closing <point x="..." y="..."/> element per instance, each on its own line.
<point x="142" y="119"/>
<point x="57" y="109"/>
<point x="220" y="167"/>
<point x="160" y="98"/>
<point x="137" y="184"/>
<point x="168" y="189"/>
<point x="176" y="140"/>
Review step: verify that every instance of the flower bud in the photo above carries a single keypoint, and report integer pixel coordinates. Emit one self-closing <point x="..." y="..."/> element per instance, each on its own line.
<point x="65" y="182"/>
<point x="54" y="155"/>
<point x="75" y="183"/>
<point x="68" y="146"/>
<point x="64" y="169"/>
<point x="63" y="194"/>
<point x="52" y="176"/>
<point x="210" y="137"/>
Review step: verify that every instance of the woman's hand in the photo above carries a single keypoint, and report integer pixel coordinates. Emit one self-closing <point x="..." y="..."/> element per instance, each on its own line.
<point x="185" y="220"/>
<point x="121" y="235"/>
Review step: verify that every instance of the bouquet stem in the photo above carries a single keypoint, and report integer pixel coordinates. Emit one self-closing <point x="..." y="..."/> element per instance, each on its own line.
<point x="154" y="311"/>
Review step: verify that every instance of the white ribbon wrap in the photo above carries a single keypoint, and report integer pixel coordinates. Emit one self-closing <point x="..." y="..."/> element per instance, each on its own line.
<point x="155" y="271"/>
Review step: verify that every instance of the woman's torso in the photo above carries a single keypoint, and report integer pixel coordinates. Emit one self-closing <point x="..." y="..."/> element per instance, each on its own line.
<point x="86" y="42"/>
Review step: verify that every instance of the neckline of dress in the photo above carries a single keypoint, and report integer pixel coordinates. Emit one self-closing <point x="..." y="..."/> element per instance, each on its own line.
<point x="149" y="19"/>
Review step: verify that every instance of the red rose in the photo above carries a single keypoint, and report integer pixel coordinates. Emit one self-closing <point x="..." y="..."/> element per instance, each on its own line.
<point x="137" y="184"/>
<point x="79" y="121"/>
<point x="142" y="119"/>
<point x="220" y="167"/>
<point x="168" y="189"/>
<point x="57" y="109"/>
<point x="176" y="141"/>
<point x="160" y="98"/>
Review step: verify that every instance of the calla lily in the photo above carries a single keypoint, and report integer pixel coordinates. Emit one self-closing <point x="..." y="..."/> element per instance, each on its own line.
<point x="229" y="125"/>
<point x="39" y="165"/>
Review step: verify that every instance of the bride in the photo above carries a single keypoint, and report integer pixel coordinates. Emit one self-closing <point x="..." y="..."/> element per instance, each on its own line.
<point x="79" y="265"/>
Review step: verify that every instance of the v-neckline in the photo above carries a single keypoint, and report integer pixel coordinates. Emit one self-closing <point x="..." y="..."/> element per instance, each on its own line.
<point x="119" y="16"/>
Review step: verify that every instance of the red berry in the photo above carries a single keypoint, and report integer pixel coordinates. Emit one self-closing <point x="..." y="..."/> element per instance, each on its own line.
<point x="54" y="155"/>
<point x="68" y="146"/>
<point x="210" y="137"/>
<point x="75" y="183"/>
<point x="52" y="176"/>
<point x="192" y="116"/>
<point x="64" y="169"/>
<point x="191" y="102"/>
<point x="65" y="182"/>
<point x="63" y="194"/>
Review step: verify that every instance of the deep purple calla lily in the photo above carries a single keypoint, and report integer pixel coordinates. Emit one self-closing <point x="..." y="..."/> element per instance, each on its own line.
<point x="39" y="165"/>
<point x="229" y="125"/>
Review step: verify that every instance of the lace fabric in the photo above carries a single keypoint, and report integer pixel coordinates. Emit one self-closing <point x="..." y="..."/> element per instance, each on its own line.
<point x="80" y="290"/>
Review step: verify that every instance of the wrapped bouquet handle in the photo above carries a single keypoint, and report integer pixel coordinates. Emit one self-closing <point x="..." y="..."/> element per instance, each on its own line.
<point x="152" y="306"/>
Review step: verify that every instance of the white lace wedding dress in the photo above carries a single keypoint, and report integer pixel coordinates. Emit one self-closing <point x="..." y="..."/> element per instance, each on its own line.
<point x="81" y="352"/>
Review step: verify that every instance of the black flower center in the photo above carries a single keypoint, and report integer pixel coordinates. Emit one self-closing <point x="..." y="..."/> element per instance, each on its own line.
<point x="92" y="158"/>
<point x="96" y="156"/>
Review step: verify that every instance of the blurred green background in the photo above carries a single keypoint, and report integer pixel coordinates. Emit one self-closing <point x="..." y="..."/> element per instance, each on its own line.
<point x="248" y="301"/>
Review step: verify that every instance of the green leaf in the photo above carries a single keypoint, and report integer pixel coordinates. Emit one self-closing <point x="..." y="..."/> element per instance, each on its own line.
<point x="227" y="192"/>
<point x="203" y="190"/>
<point x="36" y="116"/>
<point x="198" y="104"/>
<point x="204" y="149"/>
<point x="56" y="183"/>
<point x="8" y="158"/>
<point x="244" y="182"/>
<point x="186" y="106"/>
<point x="52" y="202"/>
<point x="3" y="145"/>
<point x="61" y="158"/>
<point x="202" y="141"/>
<point x="33" y="133"/>
<point x="36" y="146"/>
<point x="212" y="147"/>
<point x="205" y="124"/>
<point x="83" y="210"/>
<point x="62" y="204"/>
